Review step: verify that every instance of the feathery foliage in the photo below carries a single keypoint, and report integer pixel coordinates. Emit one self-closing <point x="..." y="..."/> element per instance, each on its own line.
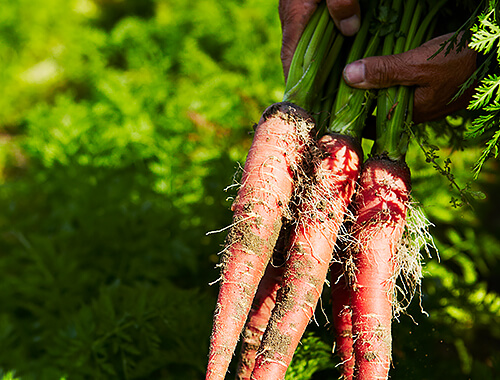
<point x="486" y="40"/>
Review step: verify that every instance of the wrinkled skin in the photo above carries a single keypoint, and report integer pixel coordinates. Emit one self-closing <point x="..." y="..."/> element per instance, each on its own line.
<point x="436" y="80"/>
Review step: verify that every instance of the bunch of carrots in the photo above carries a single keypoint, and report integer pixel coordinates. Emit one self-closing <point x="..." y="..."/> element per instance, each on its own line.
<point x="308" y="204"/>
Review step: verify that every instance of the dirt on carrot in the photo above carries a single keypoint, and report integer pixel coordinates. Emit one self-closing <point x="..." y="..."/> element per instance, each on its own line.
<point x="322" y="207"/>
<point x="274" y="160"/>
<point x="262" y="306"/>
<point x="381" y="205"/>
<point x="342" y="317"/>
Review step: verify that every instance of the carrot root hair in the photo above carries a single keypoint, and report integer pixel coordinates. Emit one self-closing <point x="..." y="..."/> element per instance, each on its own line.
<point x="267" y="185"/>
<point x="381" y="208"/>
<point x="322" y="205"/>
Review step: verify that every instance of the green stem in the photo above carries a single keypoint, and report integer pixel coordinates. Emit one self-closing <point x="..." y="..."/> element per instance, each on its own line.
<point x="351" y="105"/>
<point x="322" y="109"/>
<point x="427" y="24"/>
<point x="296" y="66"/>
<point x="318" y="37"/>
<point x="412" y="30"/>
<point x="331" y="60"/>
<point x="392" y="120"/>
<point x="313" y="51"/>
<point x="386" y="97"/>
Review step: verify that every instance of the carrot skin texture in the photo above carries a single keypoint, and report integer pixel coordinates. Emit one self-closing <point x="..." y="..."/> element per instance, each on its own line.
<point x="267" y="185"/>
<point x="381" y="216"/>
<point x="342" y="320"/>
<point x="310" y="253"/>
<point x="262" y="307"/>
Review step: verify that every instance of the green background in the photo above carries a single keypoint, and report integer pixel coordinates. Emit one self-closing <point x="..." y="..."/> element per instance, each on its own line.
<point x="121" y="124"/>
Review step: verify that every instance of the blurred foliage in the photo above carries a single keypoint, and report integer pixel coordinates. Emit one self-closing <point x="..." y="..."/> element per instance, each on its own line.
<point x="120" y="125"/>
<point x="313" y="356"/>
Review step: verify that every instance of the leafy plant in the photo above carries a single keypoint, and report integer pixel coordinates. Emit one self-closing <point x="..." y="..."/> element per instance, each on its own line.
<point x="313" y="355"/>
<point x="486" y="40"/>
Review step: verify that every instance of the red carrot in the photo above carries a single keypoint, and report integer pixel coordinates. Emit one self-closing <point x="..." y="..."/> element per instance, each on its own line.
<point x="262" y="307"/>
<point x="381" y="205"/>
<point x="320" y="216"/>
<point x="267" y="185"/>
<point x="341" y="315"/>
<point x="349" y="112"/>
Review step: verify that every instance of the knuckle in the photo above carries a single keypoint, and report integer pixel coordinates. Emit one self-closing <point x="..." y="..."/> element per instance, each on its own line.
<point x="387" y="71"/>
<point x="377" y="71"/>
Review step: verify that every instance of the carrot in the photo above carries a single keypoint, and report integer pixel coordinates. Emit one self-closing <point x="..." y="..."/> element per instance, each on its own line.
<point x="380" y="208"/>
<point x="342" y="323"/>
<point x="321" y="213"/>
<point x="276" y="170"/>
<point x="282" y="136"/>
<point x="310" y="253"/>
<point x="349" y="112"/>
<point x="267" y="185"/>
<point x="262" y="306"/>
<point x="381" y="205"/>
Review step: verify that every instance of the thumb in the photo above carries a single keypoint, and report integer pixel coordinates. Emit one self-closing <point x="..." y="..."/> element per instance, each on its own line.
<point x="381" y="72"/>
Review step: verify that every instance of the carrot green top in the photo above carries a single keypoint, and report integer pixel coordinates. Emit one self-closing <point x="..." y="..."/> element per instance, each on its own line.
<point x="315" y="81"/>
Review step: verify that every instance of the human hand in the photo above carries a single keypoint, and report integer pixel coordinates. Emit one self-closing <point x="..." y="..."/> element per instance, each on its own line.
<point x="436" y="80"/>
<point x="294" y="15"/>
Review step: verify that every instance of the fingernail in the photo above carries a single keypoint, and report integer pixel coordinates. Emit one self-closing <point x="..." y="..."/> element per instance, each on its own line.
<point x="354" y="73"/>
<point x="349" y="26"/>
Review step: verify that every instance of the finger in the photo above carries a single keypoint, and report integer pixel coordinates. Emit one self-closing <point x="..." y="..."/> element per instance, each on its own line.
<point x="409" y="68"/>
<point x="346" y="15"/>
<point x="381" y="72"/>
<point x="294" y="16"/>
